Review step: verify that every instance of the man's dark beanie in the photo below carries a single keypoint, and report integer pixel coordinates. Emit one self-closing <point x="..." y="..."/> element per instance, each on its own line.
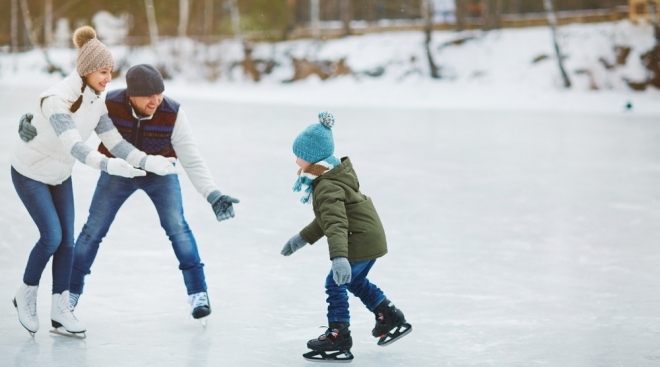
<point x="143" y="80"/>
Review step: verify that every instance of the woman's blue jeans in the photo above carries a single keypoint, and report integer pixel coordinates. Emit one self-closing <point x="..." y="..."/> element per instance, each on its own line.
<point x="359" y="285"/>
<point x="52" y="210"/>
<point x="165" y="193"/>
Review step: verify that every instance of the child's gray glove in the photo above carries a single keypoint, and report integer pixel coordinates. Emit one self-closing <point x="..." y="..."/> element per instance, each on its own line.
<point x="341" y="270"/>
<point x="222" y="205"/>
<point x="26" y="130"/>
<point x="293" y="244"/>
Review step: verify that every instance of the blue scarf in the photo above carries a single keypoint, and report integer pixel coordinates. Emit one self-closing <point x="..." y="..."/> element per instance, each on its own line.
<point x="308" y="176"/>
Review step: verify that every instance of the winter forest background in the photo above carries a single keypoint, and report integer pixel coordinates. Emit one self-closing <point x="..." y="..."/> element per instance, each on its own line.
<point x="510" y="146"/>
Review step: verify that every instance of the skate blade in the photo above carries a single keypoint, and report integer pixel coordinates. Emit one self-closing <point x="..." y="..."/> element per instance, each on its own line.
<point x="61" y="331"/>
<point x="395" y="335"/>
<point x="204" y="321"/>
<point x="343" y="356"/>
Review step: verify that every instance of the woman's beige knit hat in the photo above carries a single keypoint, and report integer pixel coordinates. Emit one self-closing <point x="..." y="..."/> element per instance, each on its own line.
<point x="92" y="54"/>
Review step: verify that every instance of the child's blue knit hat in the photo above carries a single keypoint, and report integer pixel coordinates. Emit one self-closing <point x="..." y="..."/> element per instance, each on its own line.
<point x="315" y="143"/>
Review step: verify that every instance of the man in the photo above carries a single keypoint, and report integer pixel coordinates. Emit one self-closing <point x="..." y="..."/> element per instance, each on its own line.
<point x="156" y="125"/>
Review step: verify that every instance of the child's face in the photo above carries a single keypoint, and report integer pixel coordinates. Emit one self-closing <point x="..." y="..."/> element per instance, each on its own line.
<point x="302" y="163"/>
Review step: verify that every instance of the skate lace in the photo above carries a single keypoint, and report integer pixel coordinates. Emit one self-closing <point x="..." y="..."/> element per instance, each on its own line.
<point x="328" y="333"/>
<point x="198" y="300"/>
<point x="31" y="300"/>
<point x="66" y="309"/>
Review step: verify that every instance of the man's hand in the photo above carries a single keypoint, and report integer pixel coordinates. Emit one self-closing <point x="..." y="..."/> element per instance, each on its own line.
<point x="293" y="244"/>
<point x="26" y="130"/>
<point x="120" y="167"/>
<point x="222" y="205"/>
<point x="160" y="165"/>
<point x="341" y="270"/>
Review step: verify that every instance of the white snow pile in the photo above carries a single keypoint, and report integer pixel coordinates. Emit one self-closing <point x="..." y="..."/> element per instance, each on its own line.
<point x="500" y="69"/>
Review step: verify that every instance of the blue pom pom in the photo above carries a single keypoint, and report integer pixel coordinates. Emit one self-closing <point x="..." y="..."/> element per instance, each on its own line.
<point x="327" y="119"/>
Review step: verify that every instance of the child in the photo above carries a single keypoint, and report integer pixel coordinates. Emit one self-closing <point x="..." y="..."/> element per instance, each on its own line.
<point x="356" y="238"/>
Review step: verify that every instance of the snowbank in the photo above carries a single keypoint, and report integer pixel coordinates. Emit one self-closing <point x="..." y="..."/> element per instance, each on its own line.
<point x="490" y="70"/>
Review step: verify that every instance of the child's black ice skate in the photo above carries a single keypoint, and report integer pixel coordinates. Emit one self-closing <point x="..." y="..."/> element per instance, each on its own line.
<point x="390" y="324"/>
<point x="333" y="346"/>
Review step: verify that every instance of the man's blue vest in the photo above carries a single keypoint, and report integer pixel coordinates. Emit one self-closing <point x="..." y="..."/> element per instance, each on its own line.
<point x="153" y="136"/>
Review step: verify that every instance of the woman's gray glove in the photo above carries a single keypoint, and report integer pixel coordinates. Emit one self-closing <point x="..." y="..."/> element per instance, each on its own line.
<point x="341" y="270"/>
<point x="293" y="244"/>
<point x="26" y="130"/>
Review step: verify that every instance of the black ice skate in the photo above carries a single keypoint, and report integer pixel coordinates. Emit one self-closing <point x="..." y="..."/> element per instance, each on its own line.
<point x="333" y="346"/>
<point x="200" y="307"/>
<point x="390" y="324"/>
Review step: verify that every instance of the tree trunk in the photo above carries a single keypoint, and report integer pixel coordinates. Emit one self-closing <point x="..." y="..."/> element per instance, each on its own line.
<point x="461" y="13"/>
<point x="315" y="17"/>
<point x="208" y="18"/>
<point x="184" y="16"/>
<point x="499" y="7"/>
<point x="345" y="11"/>
<point x="653" y="13"/>
<point x="151" y="20"/>
<point x="486" y="15"/>
<point x="552" y="21"/>
<point x="235" y="19"/>
<point x="427" y="14"/>
<point x="48" y="22"/>
<point x="371" y="11"/>
<point x="14" y="25"/>
<point x="28" y="23"/>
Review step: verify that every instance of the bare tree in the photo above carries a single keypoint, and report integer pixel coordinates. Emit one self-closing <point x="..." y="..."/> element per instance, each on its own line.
<point x="486" y="15"/>
<point x="184" y="16"/>
<point x="499" y="6"/>
<point x="427" y="14"/>
<point x="346" y="15"/>
<point x="315" y="17"/>
<point x="653" y="13"/>
<point x="48" y="22"/>
<point x="14" y="25"/>
<point x="151" y="20"/>
<point x="28" y="22"/>
<point x="208" y="17"/>
<point x="235" y="19"/>
<point x="552" y="21"/>
<point x="460" y="14"/>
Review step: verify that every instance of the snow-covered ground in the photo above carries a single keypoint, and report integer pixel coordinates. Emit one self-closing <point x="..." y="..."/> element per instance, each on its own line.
<point x="522" y="221"/>
<point x="490" y="71"/>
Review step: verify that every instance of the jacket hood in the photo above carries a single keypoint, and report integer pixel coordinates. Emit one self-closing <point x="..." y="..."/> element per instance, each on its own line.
<point x="343" y="173"/>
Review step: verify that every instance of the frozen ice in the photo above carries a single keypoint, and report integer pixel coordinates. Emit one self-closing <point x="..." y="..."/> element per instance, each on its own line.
<point x="516" y="238"/>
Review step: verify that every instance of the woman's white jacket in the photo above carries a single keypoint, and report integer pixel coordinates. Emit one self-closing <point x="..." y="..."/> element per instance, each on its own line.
<point x="50" y="156"/>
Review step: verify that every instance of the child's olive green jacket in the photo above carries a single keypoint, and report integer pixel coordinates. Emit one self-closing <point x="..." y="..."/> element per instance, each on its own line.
<point x="346" y="216"/>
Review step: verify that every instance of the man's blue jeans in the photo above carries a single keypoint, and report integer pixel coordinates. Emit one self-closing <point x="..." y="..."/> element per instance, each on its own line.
<point x="359" y="285"/>
<point x="165" y="192"/>
<point x="51" y="207"/>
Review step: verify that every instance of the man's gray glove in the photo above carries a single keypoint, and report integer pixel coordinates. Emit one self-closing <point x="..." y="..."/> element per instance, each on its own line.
<point x="26" y="130"/>
<point x="222" y="205"/>
<point x="341" y="270"/>
<point x="294" y="244"/>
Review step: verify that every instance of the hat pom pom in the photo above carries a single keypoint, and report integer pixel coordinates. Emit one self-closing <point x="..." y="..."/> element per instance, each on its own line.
<point x="326" y="119"/>
<point x="82" y="35"/>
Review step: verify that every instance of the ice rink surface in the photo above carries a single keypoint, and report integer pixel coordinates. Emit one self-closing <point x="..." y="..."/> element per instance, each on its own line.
<point x="515" y="239"/>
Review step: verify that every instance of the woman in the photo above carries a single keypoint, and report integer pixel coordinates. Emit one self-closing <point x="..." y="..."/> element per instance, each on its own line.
<point x="67" y="114"/>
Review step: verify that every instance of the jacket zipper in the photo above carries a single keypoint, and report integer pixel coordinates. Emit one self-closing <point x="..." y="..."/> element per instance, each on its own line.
<point x="137" y="132"/>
